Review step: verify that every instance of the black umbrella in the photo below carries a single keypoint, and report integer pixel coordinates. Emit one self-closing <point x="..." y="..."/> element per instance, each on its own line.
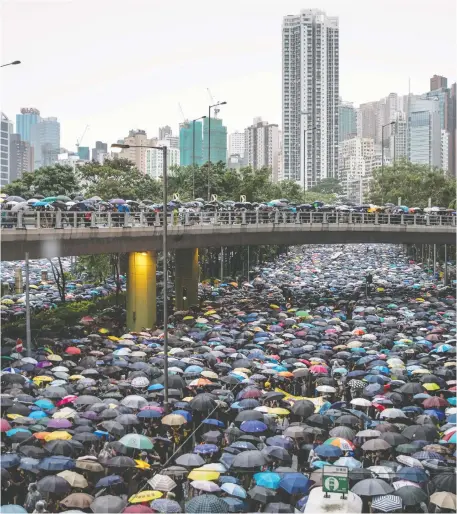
<point x="190" y="460"/>
<point x="120" y="461"/>
<point x="421" y="432"/>
<point x="261" y="494"/>
<point x="108" y="504"/>
<point x="59" y="447"/>
<point x="32" y="451"/>
<point x="445" y="482"/>
<point x="249" y="459"/>
<point x="372" y="487"/>
<point x="203" y="402"/>
<point x="53" y="484"/>
<point x="249" y="415"/>
<point x="411" y="495"/>
<point x="279" y="507"/>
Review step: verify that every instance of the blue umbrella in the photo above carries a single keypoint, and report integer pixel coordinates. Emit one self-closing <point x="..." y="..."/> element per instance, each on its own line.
<point x="206" y="449"/>
<point x="283" y="442"/>
<point x="328" y="450"/>
<point x="294" y="483"/>
<point x="234" y="504"/>
<point x="12" y="509"/>
<point x="228" y="479"/>
<point x="186" y="414"/>
<point x="452" y="418"/>
<point x="193" y="369"/>
<point x="109" y="481"/>
<point x="149" y="414"/>
<point x="56" y="463"/>
<point x="29" y="464"/>
<point x="214" y="422"/>
<point x="234" y="490"/>
<point x="413" y="474"/>
<point x="13" y="431"/>
<point x="267" y="479"/>
<point x="227" y="459"/>
<point x="243" y="445"/>
<point x="9" y="460"/>
<point x="155" y="387"/>
<point x="37" y="414"/>
<point x="253" y="426"/>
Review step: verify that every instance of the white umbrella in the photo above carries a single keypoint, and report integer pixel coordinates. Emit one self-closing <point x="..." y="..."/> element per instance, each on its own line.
<point x="162" y="483"/>
<point x="361" y="402"/>
<point x="134" y="401"/>
<point x="409" y="461"/>
<point x="325" y="389"/>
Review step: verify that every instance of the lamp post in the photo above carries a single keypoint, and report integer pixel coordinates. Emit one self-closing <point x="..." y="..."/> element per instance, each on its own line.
<point x="118" y="148"/>
<point x="305" y="130"/>
<point x="193" y="153"/>
<point x="209" y="144"/>
<point x="13" y="63"/>
<point x="382" y="157"/>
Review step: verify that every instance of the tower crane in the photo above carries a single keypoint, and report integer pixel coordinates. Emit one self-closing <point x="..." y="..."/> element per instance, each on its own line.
<point x="185" y="120"/>
<point x="216" y="110"/>
<point x="79" y="141"/>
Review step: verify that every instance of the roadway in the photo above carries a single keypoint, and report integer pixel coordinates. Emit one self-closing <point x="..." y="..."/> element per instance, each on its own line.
<point x="107" y="233"/>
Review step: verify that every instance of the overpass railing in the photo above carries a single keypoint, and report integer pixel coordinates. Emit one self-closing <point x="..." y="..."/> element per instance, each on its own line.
<point x="74" y="220"/>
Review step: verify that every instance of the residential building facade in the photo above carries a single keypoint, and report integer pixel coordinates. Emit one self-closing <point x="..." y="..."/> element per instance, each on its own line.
<point x="261" y="145"/>
<point x="21" y="157"/>
<point x="444" y="150"/>
<point x="100" y="150"/>
<point x="154" y="160"/>
<point x="137" y="139"/>
<point x="236" y="144"/>
<point x="164" y="132"/>
<point x="6" y="129"/>
<point x="310" y="96"/>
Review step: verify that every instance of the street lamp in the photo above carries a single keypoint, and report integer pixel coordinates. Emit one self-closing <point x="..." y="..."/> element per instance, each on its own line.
<point x="10" y="64"/>
<point x="193" y="153"/>
<point x="382" y="157"/>
<point x="209" y="144"/>
<point x="305" y="130"/>
<point x="118" y="148"/>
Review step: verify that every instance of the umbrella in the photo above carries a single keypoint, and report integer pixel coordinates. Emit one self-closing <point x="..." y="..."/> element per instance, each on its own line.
<point x="411" y="495"/>
<point x="145" y="496"/>
<point x="137" y="441"/>
<point x="108" y="504"/>
<point x="278" y="507"/>
<point x="261" y="494"/>
<point x="53" y="484"/>
<point x="294" y="483"/>
<point x="375" y="444"/>
<point x="74" y="479"/>
<point x="444" y="500"/>
<point x="77" y="501"/>
<point x="372" y="487"/>
<point x="249" y="459"/>
<point x="164" y="505"/>
<point x="387" y="503"/>
<point x="206" y="503"/>
<point x="162" y="483"/>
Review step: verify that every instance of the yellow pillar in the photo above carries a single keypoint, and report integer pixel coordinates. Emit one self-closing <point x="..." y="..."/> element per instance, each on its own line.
<point x="141" y="291"/>
<point x="186" y="278"/>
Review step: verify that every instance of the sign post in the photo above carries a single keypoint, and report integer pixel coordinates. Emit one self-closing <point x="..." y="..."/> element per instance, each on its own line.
<point x="335" y="480"/>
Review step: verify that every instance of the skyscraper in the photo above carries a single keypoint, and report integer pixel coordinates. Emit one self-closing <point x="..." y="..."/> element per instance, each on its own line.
<point x="6" y="128"/>
<point x="164" y="132"/>
<point x="438" y="82"/>
<point x="84" y="153"/>
<point x="21" y="157"/>
<point x="214" y="144"/>
<point x="262" y="145"/>
<point x="45" y="139"/>
<point x="24" y="121"/>
<point x="154" y="160"/>
<point x="424" y="137"/>
<point x="188" y="142"/>
<point x="347" y="121"/>
<point x="310" y="96"/>
<point x="137" y="138"/>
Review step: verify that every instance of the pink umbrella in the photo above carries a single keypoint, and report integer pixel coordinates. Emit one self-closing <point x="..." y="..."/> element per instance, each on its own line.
<point x="59" y="423"/>
<point x="4" y="425"/>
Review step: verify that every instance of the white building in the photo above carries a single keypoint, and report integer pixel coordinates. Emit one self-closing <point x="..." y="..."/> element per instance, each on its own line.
<point x="6" y="131"/>
<point x="444" y="150"/>
<point x="398" y="141"/>
<point x="236" y="144"/>
<point x="154" y="159"/>
<point x="310" y="96"/>
<point x="356" y="160"/>
<point x="261" y="146"/>
<point x="424" y="132"/>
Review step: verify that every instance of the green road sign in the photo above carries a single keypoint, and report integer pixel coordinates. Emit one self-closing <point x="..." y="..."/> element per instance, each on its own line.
<point x="335" y="479"/>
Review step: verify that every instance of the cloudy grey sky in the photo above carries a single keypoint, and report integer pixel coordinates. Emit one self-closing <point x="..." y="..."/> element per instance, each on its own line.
<point x="121" y="64"/>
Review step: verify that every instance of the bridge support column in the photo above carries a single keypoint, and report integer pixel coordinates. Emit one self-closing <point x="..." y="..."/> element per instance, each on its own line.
<point x="186" y="278"/>
<point x="141" y="290"/>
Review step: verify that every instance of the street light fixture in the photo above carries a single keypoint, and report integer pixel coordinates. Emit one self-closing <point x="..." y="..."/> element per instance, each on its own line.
<point x="10" y="64"/>
<point x="118" y="148"/>
<point x="193" y="153"/>
<point x="382" y="157"/>
<point x="209" y="144"/>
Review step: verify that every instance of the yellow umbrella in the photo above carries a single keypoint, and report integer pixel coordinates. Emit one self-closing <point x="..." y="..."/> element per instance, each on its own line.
<point x="7" y="302"/>
<point x="74" y="479"/>
<point x="145" y="496"/>
<point x="54" y="357"/>
<point x="59" y="435"/>
<point x="42" y="378"/>
<point x="33" y="286"/>
<point x="76" y="377"/>
<point x="203" y="474"/>
<point x="105" y="331"/>
<point x="188" y="399"/>
<point x="420" y="371"/>
<point x="141" y="464"/>
<point x="64" y="413"/>
<point x="274" y="306"/>
<point x="431" y="387"/>
<point x="188" y="318"/>
<point x="174" y="420"/>
<point x="241" y="370"/>
<point x="447" y="364"/>
<point x="209" y="374"/>
<point x="212" y="311"/>
<point x="14" y="416"/>
<point x="234" y="284"/>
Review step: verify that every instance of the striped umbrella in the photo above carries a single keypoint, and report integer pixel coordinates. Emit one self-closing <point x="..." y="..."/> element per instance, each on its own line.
<point x="341" y="443"/>
<point x="387" y="503"/>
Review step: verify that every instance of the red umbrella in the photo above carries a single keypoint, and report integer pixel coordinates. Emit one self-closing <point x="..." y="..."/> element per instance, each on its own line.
<point x="4" y="425"/>
<point x="67" y="399"/>
<point x="138" y="508"/>
<point x="318" y="369"/>
<point x="72" y="350"/>
<point x="434" y="402"/>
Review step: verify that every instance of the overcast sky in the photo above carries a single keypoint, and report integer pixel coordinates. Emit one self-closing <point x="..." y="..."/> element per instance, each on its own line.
<point x="116" y="65"/>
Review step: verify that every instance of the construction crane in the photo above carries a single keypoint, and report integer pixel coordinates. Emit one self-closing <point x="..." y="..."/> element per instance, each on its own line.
<point x="79" y="141"/>
<point x="185" y="120"/>
<point x="216" y="110"/>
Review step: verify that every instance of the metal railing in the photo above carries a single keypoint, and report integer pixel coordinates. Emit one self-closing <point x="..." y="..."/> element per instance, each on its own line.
<point x="76" y="220"/>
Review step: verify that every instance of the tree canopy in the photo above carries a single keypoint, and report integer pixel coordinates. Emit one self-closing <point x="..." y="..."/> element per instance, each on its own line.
<point x="328" y="186"/>
<point x="119" y="178"/>
<point x="413" y="183"/>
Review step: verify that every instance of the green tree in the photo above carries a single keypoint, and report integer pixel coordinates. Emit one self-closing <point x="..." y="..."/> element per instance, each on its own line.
<point x="328" y="186"/>
<point x="413" y="183"/>
<point x="47" y="181"/>
<point x="97" y="267"/>
<point x="118" y="178"/>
